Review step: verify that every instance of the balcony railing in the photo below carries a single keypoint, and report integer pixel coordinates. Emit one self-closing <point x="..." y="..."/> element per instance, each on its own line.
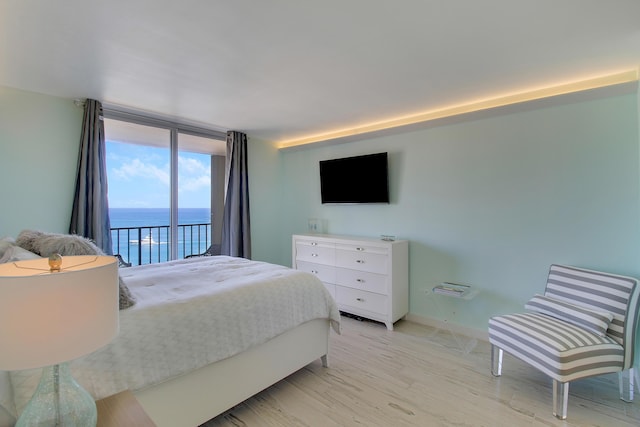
<point x="150" y="244"/>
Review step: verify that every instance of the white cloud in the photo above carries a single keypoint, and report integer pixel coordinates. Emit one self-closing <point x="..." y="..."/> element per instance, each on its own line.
<point x="140" y="177"/>
<point x="193" y="175"/>
<point x="136" y="168"/>
<point x="192" y="166"/>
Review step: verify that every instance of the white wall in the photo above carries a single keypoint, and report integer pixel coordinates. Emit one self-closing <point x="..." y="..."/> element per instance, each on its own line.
<point x="489" y="202"/>
<point x="39" y="140"/>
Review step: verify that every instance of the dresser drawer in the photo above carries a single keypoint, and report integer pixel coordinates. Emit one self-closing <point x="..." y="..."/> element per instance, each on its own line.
<point x="356" y="247"/>
<point x="363" y="280"/>
<point x="362" y="260"/>
<point x="320" y="253"/>
<point x="326" y="273"/>
<point x="362" y="300"/>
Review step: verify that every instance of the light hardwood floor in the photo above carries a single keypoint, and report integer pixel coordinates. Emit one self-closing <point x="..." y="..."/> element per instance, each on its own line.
<point x="420" y="376"/>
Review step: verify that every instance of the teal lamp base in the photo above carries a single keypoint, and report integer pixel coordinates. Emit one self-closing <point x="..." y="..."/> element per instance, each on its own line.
<point x="59" y="401"/>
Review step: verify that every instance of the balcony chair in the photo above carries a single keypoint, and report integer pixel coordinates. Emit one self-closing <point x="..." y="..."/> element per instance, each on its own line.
<point x="584" y="325"/>
<point x="213" y="250"/>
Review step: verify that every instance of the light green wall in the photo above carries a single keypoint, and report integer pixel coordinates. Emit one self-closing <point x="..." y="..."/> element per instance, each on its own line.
<point x="490" y="202"/>
<point x="268" y="243"/>
<point x="39" y="140"/>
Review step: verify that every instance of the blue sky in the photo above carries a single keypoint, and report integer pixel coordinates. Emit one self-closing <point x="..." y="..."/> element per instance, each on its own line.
<point x="139" y="177"/>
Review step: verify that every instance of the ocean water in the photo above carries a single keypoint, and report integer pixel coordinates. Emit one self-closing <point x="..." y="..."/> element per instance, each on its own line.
<point x="143" y="235"/>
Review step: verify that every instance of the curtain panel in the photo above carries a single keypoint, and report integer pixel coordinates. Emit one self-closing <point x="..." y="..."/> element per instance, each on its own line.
<point x="236" y="236"/>
<point x="90" y="212"/>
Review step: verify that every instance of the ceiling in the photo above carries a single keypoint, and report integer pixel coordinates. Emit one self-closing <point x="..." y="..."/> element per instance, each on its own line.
<point x="285" y="69"/>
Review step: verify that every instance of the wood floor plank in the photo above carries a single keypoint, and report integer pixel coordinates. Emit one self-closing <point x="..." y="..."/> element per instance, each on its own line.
<point x="421" y="376"/>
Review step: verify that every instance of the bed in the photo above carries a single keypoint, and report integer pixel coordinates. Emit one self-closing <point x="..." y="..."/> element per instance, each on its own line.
<point x="204" y="335"/>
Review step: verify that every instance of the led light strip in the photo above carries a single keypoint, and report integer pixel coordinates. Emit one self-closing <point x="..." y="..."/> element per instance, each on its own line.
<point x="578" y="86"/>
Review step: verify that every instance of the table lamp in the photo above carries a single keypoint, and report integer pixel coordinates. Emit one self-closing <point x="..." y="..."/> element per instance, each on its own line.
<point x="53" y="311"/>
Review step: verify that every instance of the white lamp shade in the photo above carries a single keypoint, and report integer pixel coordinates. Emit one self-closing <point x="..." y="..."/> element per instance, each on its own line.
<point x="48" y="318"/>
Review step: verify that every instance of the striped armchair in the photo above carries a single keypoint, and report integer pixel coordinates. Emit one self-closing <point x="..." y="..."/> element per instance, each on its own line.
<point x="583" y="325"/>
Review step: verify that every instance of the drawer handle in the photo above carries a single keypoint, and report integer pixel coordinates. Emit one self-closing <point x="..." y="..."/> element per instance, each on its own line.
<point x="359" y="249"/>
<point x="360" y="261"/>
<point x="314" y="243"/>
<point x="360" y="299"/>
<point x="314" y="271"/>
<point x="360" y="280"/>
<point x="314" y="254"/>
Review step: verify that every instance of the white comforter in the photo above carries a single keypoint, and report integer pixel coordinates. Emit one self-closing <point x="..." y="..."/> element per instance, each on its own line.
<point x="190" y="313"/>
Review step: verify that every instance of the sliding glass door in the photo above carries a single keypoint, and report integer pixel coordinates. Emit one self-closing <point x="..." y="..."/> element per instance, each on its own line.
<point x="160" y="190"/>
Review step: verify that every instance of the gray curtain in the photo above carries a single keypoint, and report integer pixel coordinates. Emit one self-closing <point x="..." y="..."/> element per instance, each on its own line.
<point x="90" y="213"/>
<point x="236" y="236"/>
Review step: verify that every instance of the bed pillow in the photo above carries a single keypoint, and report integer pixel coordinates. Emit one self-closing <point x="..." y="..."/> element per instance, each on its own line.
<point x="16" y="253"/>
<point x="591" y="320"/>
<point x="46" y="244"/>
<point x="6" y="243"/>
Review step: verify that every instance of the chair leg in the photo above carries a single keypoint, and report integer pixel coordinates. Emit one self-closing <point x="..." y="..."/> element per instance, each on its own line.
<point x="496" y="360"/>
<point x="627" y="385"/>
<point x="560" y="399"/>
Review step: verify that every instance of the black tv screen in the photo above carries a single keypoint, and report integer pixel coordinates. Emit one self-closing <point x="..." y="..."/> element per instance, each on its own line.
<point x="359" y="179"/>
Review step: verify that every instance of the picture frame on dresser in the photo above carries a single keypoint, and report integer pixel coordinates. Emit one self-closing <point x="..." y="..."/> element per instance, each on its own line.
<point x="367" y="277"/>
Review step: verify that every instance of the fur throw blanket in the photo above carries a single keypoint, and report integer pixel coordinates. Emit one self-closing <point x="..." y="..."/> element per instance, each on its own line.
<point x="46" y="244"/>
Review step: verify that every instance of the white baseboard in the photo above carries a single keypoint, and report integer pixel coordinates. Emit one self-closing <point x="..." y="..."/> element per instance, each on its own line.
<point x="455" y="328"/>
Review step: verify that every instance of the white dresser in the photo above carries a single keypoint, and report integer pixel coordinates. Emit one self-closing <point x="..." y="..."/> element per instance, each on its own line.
<point x="367" y="277"/>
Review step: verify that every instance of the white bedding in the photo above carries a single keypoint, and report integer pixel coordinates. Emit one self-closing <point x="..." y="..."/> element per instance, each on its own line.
<point x="190" y="313"/>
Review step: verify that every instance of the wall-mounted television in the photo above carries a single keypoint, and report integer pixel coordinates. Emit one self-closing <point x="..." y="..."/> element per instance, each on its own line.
<point x="359" y="179"/>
